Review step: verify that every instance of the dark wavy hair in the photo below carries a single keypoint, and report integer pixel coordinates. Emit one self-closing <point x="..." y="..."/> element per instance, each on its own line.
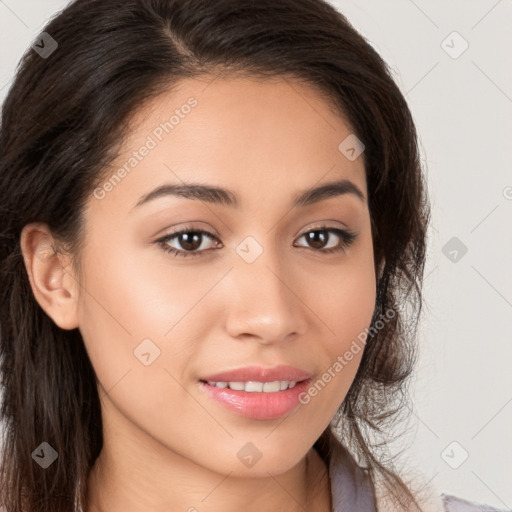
<point x="63" y="120"/>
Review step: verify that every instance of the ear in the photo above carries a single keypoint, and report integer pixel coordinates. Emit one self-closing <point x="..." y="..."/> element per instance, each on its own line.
<point x="50" y="274"/>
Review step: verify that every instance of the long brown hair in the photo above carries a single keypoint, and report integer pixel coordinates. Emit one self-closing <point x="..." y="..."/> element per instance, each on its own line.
<point x="62" y="120"/>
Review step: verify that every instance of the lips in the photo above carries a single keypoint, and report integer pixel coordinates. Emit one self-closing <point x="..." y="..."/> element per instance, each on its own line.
<point x="260" y="374"/>
<point x="257" y="406"/>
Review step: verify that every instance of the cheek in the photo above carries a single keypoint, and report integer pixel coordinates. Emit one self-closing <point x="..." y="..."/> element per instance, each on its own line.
<point x="344" y="301"/>
<point x="131" y="307"/>
<point x="119" y="309"/>
<point x="349" y="308"/>
<point x="342" y="354"/>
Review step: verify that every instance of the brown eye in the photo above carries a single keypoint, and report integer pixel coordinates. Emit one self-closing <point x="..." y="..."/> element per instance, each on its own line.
<point x="320" y="238"/>
<point x="194" y="242"/>
<point x="188" y="240"/>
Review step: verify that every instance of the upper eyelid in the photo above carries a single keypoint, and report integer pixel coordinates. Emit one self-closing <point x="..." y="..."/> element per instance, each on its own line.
<point x="187" y="230"/>
<point x="214" y="235"/>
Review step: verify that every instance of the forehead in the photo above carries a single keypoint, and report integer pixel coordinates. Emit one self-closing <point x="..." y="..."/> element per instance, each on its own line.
<point x="243" y="133"/>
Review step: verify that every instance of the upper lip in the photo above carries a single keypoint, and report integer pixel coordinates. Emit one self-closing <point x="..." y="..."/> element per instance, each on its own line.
<point x="260" y="374"/>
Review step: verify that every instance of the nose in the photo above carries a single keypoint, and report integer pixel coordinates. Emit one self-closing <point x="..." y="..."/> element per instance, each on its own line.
<point x="265" y="302"/>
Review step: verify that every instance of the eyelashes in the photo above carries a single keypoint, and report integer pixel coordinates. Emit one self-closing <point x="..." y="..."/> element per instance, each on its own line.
<point x="196" y="234"/>
<point x="192" y="241"/>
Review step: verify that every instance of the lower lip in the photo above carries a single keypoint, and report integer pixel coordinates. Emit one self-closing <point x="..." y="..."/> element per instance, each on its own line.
<point x="257" y="406"/>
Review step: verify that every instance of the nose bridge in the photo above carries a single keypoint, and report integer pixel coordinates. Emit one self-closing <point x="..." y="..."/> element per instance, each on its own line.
<point x="264" y="302"/>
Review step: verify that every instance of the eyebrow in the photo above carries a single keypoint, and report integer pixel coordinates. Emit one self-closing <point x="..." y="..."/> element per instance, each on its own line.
<point x="218" y="195"/>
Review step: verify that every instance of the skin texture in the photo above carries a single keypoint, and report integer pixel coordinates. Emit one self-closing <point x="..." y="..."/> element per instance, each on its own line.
<point x="168" y="446"/>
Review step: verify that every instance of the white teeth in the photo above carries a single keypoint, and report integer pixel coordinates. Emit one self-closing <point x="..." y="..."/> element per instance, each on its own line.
<point x="271" y="387"/>
<point x="256" y="387"/>
<point x="237" y="386"/>
<point x="253" y="387"/>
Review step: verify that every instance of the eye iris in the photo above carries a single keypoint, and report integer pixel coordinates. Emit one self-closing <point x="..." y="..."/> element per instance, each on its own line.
<point x="190" y="241"/>
<point x="317" y="239"/>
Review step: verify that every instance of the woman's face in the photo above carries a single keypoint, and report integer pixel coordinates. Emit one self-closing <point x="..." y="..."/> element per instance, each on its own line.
<point x="255" y="290"/>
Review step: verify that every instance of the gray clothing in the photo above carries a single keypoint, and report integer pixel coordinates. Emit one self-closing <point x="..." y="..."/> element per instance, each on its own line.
<point x="352" y="489"/>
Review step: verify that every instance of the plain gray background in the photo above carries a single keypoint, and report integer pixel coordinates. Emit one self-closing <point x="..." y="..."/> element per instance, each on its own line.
<point x="460" y="436"/>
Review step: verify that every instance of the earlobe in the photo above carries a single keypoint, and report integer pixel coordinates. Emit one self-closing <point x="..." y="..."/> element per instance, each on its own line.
<point x="50" y="274"/>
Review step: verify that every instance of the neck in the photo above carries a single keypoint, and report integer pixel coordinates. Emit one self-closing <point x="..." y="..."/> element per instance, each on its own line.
<point x="137" y="474"/>
<point x="137" y="488"/>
